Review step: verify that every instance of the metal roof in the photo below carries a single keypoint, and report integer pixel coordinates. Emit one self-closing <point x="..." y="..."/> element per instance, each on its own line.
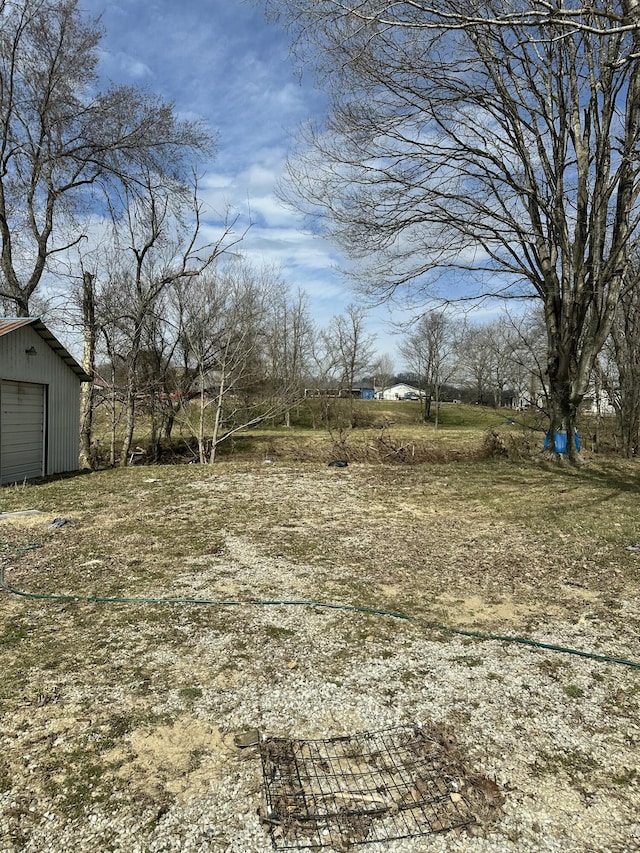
<point x="10" y="324"/>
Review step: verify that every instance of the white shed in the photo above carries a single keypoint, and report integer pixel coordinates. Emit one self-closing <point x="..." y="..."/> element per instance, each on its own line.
<point x="39" y="402"/>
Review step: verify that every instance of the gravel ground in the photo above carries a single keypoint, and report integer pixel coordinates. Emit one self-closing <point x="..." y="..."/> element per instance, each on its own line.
<point x="559" y="734"/>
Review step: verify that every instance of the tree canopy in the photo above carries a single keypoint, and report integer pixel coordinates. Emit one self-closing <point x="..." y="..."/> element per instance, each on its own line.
<point x="480" y="149"/>
<point x="65" y="145"/>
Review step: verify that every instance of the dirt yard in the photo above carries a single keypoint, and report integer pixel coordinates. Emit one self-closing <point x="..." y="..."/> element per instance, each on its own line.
<point x="119" y="708"/>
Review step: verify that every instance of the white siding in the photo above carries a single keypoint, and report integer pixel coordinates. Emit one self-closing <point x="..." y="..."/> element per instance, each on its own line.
<point x="44" y="367"/>
<point x="397" y="392"/>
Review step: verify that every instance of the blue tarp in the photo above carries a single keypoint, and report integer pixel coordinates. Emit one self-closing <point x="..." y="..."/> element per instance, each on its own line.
<point x="560" y="441"/>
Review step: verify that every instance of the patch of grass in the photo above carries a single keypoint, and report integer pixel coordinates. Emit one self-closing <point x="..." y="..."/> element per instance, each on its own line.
<point x="468" y="660"/>
<point x="13" y="634"/>
<point x="190" y="692"/>
<point x="626" y="776"/>
<point x="195" y="759"/>
<point x="573" y="691"/>
<point x="5" y="777"/>
<point x="553" y="668"/>
<point x="577" y="765"/>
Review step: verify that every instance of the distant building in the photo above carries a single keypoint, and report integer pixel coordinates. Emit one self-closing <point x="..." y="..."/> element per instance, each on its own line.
<point x="357" y="392"/>
<point x="401" y="391"/>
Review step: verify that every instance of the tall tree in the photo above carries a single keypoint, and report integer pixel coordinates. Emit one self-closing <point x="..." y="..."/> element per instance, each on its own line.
<point x="351" y="344"/>
<point x="352" y="348"/>
<point x="63" y="143"/>
<point x="288" y="344"/>
<point x="499" y="139"/>
<point x="619" y="370"/>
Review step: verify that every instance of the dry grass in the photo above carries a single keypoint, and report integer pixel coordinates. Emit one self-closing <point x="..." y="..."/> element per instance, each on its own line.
<point x="493" y="545"/>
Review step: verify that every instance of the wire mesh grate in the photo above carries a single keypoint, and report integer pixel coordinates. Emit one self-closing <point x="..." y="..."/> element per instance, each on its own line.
<point x="370" y="786"/>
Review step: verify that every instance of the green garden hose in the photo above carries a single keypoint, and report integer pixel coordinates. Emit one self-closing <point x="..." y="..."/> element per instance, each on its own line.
<point x="294" y="602"/>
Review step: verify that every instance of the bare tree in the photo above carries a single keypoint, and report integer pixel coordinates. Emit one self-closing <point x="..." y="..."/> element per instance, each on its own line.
<point x="619" y="370"/>
<point x="488" y="358"/>
<point x="498" y="139"/>
<point x="383" y="372"/>
<point x="351" y="344"/>
<point x="352" y="348"/>
<point x="64" y="145"/>
<point x="416" y="14"/>
<point x="288" y="344"/>
<point x="429" y="350"/>
<point x="200" y="309"/>
<point x="245" y="358"/>
<point x="154" y="246"/>
<point x="475" y="361"/>
<point x="528" y="373"/>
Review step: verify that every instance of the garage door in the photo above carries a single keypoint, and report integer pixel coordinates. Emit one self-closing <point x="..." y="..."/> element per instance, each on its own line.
<point x="21" y="431"/>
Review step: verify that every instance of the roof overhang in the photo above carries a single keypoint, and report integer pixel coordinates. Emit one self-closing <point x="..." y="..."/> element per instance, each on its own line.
<point x="11" y="324"/>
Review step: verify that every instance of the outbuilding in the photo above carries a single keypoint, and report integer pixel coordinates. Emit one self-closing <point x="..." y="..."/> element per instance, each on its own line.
<point x="39" y="402"/>
<point x="401" y="391"/>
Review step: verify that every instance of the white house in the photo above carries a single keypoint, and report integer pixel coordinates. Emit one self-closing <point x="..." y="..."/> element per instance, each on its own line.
<point x="39" y="402"/>
<point x="401" y="391"/>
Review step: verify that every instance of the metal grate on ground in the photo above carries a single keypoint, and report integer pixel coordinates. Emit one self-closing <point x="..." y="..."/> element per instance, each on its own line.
<point x="370" y="786"/>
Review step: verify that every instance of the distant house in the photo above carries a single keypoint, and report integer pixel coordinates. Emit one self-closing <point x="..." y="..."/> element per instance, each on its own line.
<point x="401" y="391"/>
<point x="39" y="402"/>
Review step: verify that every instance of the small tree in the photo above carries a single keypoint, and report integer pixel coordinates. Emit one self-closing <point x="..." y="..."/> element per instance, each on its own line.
<point x="154" y="246"/>
<point x="383" y="372"/>
<point x="351" y="347"/>
<point x="288" y="344"/>
<point x="429" y="352"/>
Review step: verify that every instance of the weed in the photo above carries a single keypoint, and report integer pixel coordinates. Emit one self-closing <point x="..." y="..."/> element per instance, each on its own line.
<point x="552" y="668"/>
<point x="468" y="660"/>
<point x="626" y="776"/>
<point x="573" y="691"/>
<point x="5" y="777"/>
<point x="195" y="759"/>
<point x="275" y="632"/>
<point x="190" y="692"/>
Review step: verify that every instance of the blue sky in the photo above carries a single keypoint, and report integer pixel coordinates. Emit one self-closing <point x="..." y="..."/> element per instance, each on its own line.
<point x="219" y="60"/>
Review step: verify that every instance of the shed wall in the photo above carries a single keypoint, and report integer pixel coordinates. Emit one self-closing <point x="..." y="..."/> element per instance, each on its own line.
<point x="63" y="399"/>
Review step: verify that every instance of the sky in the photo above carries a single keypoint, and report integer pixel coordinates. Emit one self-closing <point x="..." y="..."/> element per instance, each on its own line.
<point x="220" y="61"/>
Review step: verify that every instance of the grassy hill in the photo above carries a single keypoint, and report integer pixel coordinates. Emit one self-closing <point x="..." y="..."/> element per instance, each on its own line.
<point x="364" y="430"/>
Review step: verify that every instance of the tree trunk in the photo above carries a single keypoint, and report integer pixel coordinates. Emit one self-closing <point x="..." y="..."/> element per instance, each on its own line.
<point x="426" y="407"/>
<point x="202" y="453"/>
<point x="88" y="365"/>
<point x="563" y="409"/>
<point x="218" y="420"/>
<point x="130" y="419"/>
<point x="114" y="417"/>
